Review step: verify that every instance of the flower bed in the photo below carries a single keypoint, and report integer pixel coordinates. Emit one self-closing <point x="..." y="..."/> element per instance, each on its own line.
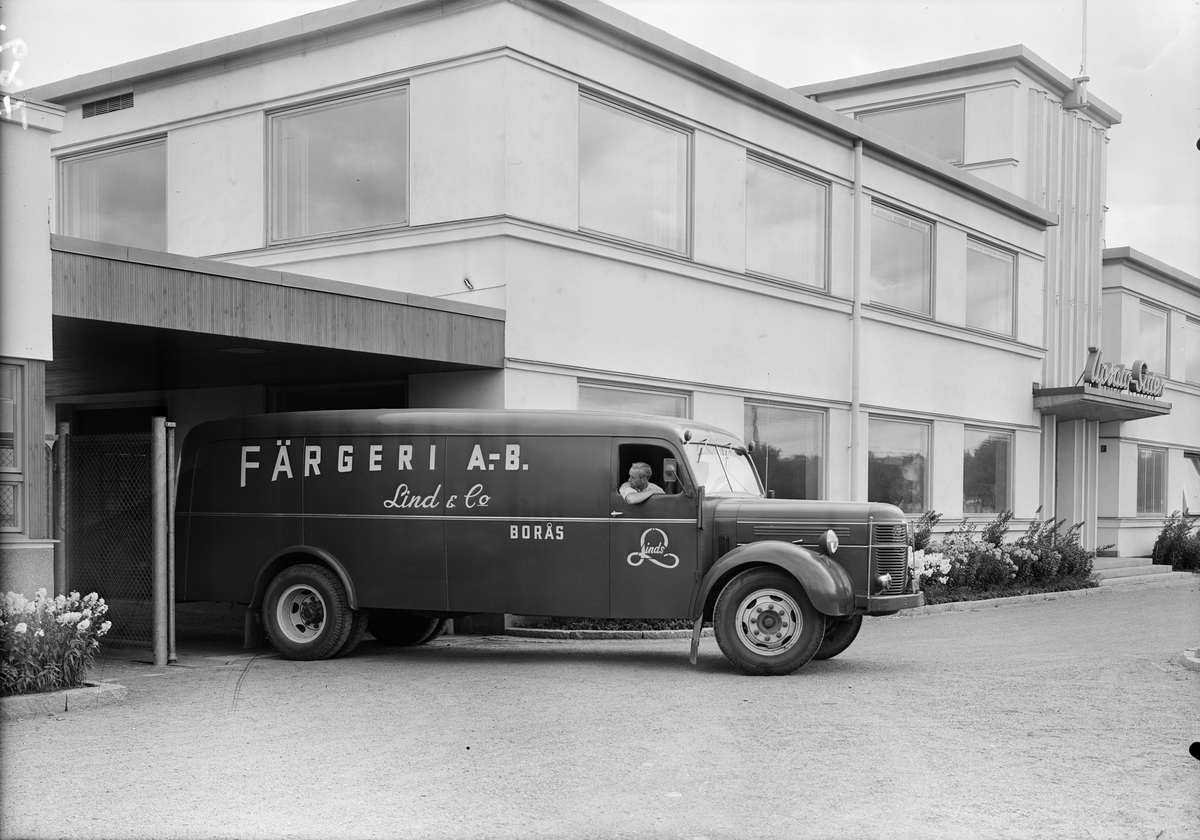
<point x="48" y="643"/>
<point x="970" y="564"/>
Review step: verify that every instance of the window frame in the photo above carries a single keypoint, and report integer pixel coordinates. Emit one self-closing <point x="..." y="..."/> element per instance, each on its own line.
<point x="271" y="119"/>
<point x="930" y="297"/>
<point x="62" y="214"/>
<point x="1191" y="462"/>
<point x="619" y="386"/>
<point x="823" y="454"/>
<point x="827" y="206"/>
<point x="1144" y="306"/>
<point x="14" y="476"/>
<point x="1008" y="468"/>
<point x="927" y="478"/>
<point x="1016" y="285"/>
<point x="1142" y="510"/>
<point x="912" y="106"/>
<point x="689" y="136"/>
<point x="1191" y="327"/>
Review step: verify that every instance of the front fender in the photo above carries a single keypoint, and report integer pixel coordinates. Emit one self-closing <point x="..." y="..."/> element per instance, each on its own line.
<point x="281" y="560"/>
<point x="825" y="582"/>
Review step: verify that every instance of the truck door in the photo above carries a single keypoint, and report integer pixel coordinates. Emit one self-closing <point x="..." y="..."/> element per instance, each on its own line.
<point x="654" y="544"/>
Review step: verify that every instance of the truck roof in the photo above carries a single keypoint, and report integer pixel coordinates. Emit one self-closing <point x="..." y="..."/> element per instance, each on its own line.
<point x="460" y="421"/>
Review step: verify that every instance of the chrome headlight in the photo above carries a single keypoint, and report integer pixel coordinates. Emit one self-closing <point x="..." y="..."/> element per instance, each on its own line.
<point x="828" y="543"/>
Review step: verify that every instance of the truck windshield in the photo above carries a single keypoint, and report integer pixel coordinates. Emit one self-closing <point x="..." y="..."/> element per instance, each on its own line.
<point x="719" y="468"/>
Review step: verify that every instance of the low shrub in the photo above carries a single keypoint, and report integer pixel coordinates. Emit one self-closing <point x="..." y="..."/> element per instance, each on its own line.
<point x="923" y="529"/>
<point x="48" y="643"/>
<point x="1178" y="544"/>
<point x="968" y="563"/>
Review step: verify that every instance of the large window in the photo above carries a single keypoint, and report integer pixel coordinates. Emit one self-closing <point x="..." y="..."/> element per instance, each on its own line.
<point x="789" y="449"/>
<point x="1191" y="485"/>
<point x="901" y="260"/>
<point x="11" y="475"/>
<point x="985" y="471"/>
<point x="785" y="224"/>
<point x="1191" y="352"/>
<point x="598" y="397"/>
<point x="933" y="127"/>
<point x="340" y="166"/>
<point x="991" y="275"/>
<point x="1151" y="480"/>
<point x="633" y="176"/>
<point x="898" y="464"/>
<point x="117" y="196"/>
<point x="1152" y="338"/>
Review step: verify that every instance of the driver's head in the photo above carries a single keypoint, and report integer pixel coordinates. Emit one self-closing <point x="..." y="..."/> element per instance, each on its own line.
<point x="639" y="476"/>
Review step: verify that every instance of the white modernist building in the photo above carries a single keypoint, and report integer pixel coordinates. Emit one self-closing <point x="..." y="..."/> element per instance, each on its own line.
<point x="548" y="204"/>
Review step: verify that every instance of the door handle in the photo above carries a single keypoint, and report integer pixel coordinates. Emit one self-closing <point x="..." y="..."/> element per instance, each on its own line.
<point x="616" y="513"/>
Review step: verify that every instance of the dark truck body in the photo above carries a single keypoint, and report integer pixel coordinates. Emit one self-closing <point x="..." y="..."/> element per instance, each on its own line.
<point x="455" y="512"/>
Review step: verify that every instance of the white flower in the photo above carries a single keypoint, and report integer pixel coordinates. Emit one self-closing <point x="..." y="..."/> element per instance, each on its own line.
<point x="104" y="628"/>
<point x="83" y="625"/>
<point x="20" y="628"/>
<point x="40" y="632"/>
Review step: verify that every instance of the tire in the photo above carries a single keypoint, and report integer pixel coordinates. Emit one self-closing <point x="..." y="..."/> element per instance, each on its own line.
<point x="306" y="613"/>
<point x="765" y="624"/>
<point x="400" y="628"/>
<point x="358" y="629"/>
<point x="839" y="633"/>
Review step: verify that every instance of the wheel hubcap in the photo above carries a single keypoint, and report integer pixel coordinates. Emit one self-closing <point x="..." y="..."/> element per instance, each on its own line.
<point x="769" y="622"/>
<point x="300" y="614"/>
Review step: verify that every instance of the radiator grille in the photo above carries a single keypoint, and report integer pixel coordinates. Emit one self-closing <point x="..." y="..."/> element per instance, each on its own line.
<point x="104" y="106"/>
<point x="892" y="560"/>
<point x="890" y="533"/>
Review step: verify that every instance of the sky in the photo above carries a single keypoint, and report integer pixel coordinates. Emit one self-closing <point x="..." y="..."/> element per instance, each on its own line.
<point x="1143" y="58"/>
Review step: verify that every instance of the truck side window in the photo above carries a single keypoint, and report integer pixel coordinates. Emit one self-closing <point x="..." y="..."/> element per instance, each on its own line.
<point x="654" y="456"/>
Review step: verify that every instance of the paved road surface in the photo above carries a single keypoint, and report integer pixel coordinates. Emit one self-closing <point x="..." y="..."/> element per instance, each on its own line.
<point x="1062" y="719"/>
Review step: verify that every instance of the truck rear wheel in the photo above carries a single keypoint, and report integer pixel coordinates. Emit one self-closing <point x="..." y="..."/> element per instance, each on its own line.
<point x="400" y="628"/>
<point x="765" y="624"/>
<point x="306" y="613"/>
<point x="839" y="633"/>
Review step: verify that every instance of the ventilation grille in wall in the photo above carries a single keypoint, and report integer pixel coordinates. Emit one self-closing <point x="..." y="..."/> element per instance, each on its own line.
<point x="103" y="106"/>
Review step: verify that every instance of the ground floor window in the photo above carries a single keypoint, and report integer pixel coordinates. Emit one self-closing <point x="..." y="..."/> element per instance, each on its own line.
<point x="898" y="463"/>
<point x="594" y="396"/>
<point x="11" y="475"/>
<point x="789" y="449"/>
<point x="1191" y="484"/>
<point x="1151" y="479"/>
<point x="986" y="459"/>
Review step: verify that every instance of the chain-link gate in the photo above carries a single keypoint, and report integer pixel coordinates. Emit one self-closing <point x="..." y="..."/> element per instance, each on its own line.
<point x="110" y="544"/>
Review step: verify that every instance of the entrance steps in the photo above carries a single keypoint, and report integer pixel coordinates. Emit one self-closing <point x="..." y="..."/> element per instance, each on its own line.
<point x="1114" y="570"/>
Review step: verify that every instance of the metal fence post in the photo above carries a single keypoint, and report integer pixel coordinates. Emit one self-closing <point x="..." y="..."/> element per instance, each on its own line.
<point x="171" y="657"/>
<point x="60" y="517"/>
<point x="158" y="492"/>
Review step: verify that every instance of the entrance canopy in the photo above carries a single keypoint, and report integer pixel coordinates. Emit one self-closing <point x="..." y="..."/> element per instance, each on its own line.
<point x="1085" y="402"/>
<point x="126" y="319"/>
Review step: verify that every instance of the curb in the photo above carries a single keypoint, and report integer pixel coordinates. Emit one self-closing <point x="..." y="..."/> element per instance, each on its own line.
<point x="544" y="633"/>
<point x="1191" y="659"/>
<point x="90" y="696"/>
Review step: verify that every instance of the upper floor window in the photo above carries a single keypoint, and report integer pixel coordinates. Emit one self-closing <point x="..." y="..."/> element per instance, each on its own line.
<point x="789" y="449"/>
<point x="11" y="474"/>
<point x="933" y="127"/>
<point x="991" y="276"/>
<point x="1191" y="352"/>
<point x="118" y="196"/>
<point x="785" y="224"/>
<point x="985" y="471"/>
<point x="898" y="464"/>
<point x="1151" y="480"/>
<point x="901" y="260"/>
<point x="1152" y="338"/>
<point x="597" y="397"/>
<point x="340" y="166"/>
<point x="633" y="176"/>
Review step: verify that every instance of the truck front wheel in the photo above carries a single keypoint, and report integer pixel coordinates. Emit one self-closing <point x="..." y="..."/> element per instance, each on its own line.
<point x="765" y="624"/>
<point x="306" y="612"/>
<point x="839" y="633"/>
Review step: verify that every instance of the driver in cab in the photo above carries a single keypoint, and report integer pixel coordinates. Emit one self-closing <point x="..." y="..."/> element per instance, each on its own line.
<point x="639" y="488"/>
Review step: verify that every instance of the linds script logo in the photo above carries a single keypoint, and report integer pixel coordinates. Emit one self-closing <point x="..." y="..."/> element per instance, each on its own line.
<point x="654" y="549"/>
<point x="1137" y="379"/>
